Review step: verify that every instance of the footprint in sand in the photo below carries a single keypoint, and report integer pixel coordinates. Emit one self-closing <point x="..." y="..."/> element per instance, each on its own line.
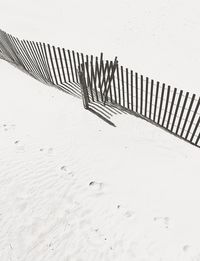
<point x="64" y="168"/>
<point x="97" y="188"/>
<point x="8" y="126"/>
<point x="186" y="248"/>
<point x="163" y="220"/>
<point x="96" y="185"/>
<point x="50" y="150"/>
<point x="129" y="214"/>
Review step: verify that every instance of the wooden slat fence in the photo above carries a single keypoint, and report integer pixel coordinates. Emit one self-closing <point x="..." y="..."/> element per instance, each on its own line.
<point x="107" y="83"/>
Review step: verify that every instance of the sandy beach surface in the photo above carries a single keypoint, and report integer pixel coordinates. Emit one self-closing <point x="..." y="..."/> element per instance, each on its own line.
<point x="73" y="188"/>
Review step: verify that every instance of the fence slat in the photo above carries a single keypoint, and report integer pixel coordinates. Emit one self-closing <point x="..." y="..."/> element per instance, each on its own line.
<point x="197" y="141"/>
<point x="166" y="104"/>
<point x="122" y="81"/>
<point x="108" y="81"/>
<point x="51" y="60"/>
<point x="156" y="101"/>
<point x="146" y="96"/>
<point x="193" y="117"/>
<point x="47" y="61"/>
<point x="55" y="56"/>
<point x="89" y="83"/>
<point x="161" y="102"/>
<point x="98" y="70"/>
<point x="151" y="99"/>
<point x="127" y="86"/>
<point x="171" y="108"/>
<point x="182" y="112"/>
<point x="136" y="92"/>
<point x="62" y="65"/>
<point x="114" y="88"/>
<point x="105" y="71"/>
<point x="93" y="77"/>
<point x="66" y="64"/>
<point x="71" y="67"/>
<point x="188" y="113"/>
<point x="75" y="66"/>
<point x="141" y="94"/>
<point x="131" y="90"/>
<point x="118" y="85"/>
<point x="176" y="110"/>
<point x="195" y="129"/>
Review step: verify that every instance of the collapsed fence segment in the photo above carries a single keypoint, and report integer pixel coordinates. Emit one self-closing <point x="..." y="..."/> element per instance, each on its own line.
<point x="106" y="83"/>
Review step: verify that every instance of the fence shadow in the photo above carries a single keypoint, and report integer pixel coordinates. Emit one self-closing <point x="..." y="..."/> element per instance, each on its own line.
<point x="109" y="88"/>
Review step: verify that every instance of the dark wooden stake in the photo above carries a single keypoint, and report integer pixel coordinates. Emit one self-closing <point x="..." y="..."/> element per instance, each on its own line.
<point x="84" y="92"/>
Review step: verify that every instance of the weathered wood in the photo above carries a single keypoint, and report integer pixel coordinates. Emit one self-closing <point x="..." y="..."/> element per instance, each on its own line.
<point x="57" y="65"/>
<point x="151" y="99"/>
<point x="193" y="117"/>
<point x="188" y="113"/>
<point x="182" y="112"/>
<point x="176" y="110"/>
<point x="122" y="81"/>
<point x="75" y="65"/>
<point x="171" y="108"/>
<point x="195" y="129"/>
<point x="136" y="92"/>
<point x="131" y="90"/>
<point x="161" y="102"/>
<point x="118" y="85"/>
<point x="66" y="64"/>
<point x="84" y="92"/>
<point x="166" y="105"/>
<point x="127" y="87"/>
<point x="141" y="94"/>
<point x="146" y="96"/>
<point x="71" y="67"/>
<point x="156" y="101"/>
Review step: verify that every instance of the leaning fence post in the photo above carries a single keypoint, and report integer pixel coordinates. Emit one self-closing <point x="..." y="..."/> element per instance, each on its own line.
<point x="84" y="92"/>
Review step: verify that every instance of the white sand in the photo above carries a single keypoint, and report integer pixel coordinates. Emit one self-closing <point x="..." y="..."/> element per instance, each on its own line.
<point x="73" y="188"/>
